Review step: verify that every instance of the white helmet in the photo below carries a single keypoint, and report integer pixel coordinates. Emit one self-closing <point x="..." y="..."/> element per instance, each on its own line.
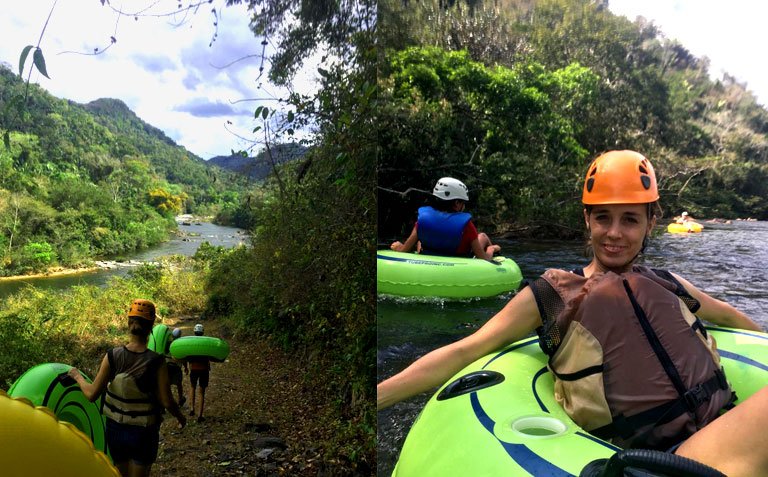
<point x="198" y="329"/>
<point x="449" y="188"/>
<point x="684" y="214"/>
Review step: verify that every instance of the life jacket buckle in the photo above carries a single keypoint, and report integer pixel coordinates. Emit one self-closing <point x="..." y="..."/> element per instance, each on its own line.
<point x="695" y="396"/>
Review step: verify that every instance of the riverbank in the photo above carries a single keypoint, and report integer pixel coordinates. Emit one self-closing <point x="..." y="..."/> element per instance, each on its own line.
<point x="61" y="271"/>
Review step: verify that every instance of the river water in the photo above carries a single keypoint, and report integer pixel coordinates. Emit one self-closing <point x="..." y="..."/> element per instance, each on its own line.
<point x="186" y="244"/>
<point x="725" y="261"/>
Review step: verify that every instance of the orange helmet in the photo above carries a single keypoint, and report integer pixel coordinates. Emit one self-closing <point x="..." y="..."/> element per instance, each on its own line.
<point x="620" y="177"/>
<point x="142" y="309"/>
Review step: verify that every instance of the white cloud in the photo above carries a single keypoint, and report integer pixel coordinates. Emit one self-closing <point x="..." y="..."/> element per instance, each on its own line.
<point x="167" y="74"/>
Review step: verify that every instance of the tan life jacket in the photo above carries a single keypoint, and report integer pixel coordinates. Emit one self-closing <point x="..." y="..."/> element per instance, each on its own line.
<point x="131" y="396"/>
<point x="631" y="362"/>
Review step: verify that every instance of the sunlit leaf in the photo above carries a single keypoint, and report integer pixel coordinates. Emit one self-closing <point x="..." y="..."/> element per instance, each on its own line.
<point x="37" y="56"/>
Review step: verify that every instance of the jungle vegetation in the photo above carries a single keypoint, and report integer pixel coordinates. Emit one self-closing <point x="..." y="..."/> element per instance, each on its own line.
<point x="79" y="181"/>
<point x="516" y="97"/>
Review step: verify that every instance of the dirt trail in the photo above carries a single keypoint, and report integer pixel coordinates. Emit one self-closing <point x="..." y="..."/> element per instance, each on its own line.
<point x="261" y="419"/>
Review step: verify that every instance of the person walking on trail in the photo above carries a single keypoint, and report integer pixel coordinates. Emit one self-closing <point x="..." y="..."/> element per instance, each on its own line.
<point x="136" y="383"/>
<point x="199" y="370"/>
<point x="590" y="319"/>
<point x="445" y="229"/>
<point x="174" y="368"/>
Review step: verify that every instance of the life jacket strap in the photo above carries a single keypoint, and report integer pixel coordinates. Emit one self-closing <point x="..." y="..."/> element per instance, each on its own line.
<point x="624" y="426"/>
<point x="149" y="412"/>
<point x="582" y="373"/>
<point x="126" y="400"/>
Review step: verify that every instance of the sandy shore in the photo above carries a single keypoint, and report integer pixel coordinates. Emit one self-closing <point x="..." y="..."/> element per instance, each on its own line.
<point x="55" y="272"/>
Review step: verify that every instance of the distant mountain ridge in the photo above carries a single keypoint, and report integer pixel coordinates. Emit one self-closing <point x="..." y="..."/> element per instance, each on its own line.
<point x="260" y="166"/>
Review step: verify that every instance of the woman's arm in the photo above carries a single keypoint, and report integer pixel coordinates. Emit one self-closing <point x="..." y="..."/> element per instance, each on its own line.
<point x="93" y="390"/>
<point x="166" y="398"/>
<point x="518" y="318"/>
<point x="716" y="311"/>
<point x="409" y="243"/>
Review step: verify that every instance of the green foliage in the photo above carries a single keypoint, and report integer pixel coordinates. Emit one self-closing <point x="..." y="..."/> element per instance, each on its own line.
<point x="512" y="130"/>
<point x="92" y="180"/>
<point x="36" y="256"/>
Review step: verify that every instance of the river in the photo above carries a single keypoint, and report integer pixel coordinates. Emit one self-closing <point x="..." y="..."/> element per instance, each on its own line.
<point x="726" y="261"/>
<point x="185" y="244"/>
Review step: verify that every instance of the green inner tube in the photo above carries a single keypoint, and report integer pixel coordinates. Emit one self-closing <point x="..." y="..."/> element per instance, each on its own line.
<point x="158" y="339"/>
<point x="409" y="274"/>
<point x="187" y="346"/>
<point x="49" y="385"/>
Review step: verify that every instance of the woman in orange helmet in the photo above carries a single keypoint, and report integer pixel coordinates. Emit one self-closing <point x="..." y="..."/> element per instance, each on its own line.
<point x="620" y="197"/>
<point x="137" y="390"/>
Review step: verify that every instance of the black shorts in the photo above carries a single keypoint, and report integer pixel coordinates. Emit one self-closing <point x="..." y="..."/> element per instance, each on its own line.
<point x="135" y="443"/>
<point x="201" y="374"/>
<point x="174" y="374"/>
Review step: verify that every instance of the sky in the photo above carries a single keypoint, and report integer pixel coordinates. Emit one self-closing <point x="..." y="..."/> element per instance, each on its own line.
<point x="162" y="67"/>
<point x="732" y="34"/>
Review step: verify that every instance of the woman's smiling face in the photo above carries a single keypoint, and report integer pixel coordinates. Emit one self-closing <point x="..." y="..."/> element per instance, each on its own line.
<point x="617" y="232"/>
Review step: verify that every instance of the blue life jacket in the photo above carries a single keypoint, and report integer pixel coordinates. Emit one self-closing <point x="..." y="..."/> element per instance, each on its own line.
<point x="441" y="232"/>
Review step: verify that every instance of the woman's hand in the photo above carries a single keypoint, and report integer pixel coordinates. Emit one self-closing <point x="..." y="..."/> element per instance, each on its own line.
<point x="74" y="373"/>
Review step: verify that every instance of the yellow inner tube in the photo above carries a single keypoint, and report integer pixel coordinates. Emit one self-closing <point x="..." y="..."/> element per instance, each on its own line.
<point x="676" y="228"/>
<point x="34" y="442"/>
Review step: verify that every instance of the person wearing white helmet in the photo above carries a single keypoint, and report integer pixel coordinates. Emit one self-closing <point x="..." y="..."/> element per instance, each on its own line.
<point x="174" y="368"/>
<point x="685" y="219"/>
<point x="444" y="228"/>
<point x="199" y="371"/>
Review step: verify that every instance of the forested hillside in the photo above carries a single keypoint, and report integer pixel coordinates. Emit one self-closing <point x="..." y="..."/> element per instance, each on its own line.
<point x="516" y="97"/>
<point x="80" y="181"/>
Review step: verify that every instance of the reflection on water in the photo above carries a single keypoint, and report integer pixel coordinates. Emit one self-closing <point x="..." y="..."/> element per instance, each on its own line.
<point x="178" y="245"/>
<point x="726" y="261"/>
